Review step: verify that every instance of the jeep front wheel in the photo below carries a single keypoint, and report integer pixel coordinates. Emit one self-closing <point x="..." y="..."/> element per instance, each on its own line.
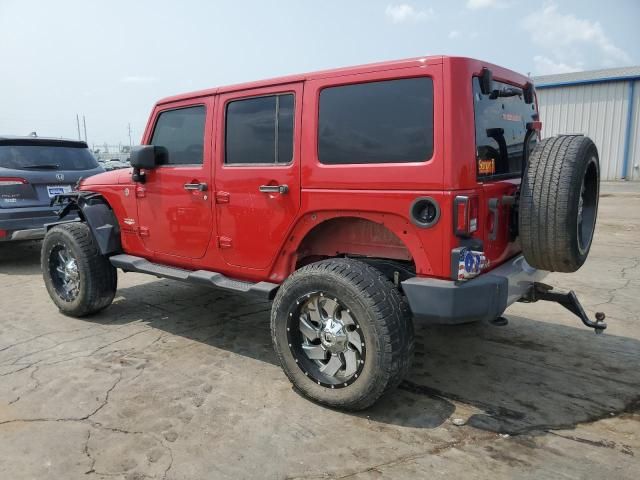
<point x="80" y="280"/>
<point x="343" y="333"/>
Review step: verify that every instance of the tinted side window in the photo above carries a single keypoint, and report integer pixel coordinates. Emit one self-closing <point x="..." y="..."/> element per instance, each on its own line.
<point x="378" y="122"/>
<point x="181" y="132"/>
<point x="259" y="130"/>
<point x="285" y="129"/>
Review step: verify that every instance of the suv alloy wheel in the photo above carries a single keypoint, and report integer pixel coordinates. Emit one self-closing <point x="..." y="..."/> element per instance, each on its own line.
<point x="343" y="333"/>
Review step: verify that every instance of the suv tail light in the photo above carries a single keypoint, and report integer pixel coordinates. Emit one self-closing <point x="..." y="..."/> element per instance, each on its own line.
<point x="10" y="181"/>
<point x="465" y="215"/>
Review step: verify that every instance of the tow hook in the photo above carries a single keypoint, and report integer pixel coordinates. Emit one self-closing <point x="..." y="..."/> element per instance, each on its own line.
<point x="569" y="300"/>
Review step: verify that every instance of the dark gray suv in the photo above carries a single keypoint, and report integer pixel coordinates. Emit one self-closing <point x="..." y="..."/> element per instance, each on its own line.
<point x="32" y="171"/>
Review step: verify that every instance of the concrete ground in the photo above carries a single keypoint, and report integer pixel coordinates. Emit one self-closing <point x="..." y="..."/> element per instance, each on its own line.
<point x="179" y="382"/>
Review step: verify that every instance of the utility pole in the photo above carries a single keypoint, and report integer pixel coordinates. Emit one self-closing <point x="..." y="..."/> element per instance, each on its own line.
<point x="130" y="141"/>
<point x="78" y="124"/>
<point x="84" y="122"/>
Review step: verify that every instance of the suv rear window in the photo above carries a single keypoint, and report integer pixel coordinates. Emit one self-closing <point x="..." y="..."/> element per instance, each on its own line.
<point x="46" y="157"/>
<point x="379" y="122"/>
<point x="501" y="128"/>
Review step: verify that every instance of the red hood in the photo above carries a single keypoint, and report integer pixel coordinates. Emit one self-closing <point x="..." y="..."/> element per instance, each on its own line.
<point x="113" y="177"/>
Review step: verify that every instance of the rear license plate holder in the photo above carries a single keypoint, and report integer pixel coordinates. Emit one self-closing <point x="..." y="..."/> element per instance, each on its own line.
<point x="53" y="190"/>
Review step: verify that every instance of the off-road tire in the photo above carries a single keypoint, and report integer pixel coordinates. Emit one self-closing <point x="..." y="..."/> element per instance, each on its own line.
<point x="551" y="235"/>
<point x="384" y="318"/>
<point x="97" y="277"/>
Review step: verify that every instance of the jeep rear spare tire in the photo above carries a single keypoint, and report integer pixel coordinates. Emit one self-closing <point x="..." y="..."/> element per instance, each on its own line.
<point x="559" y="203"/>
<point x="342" y="332"/>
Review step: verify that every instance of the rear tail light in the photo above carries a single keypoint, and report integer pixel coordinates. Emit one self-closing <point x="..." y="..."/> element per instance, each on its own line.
<point x="465" y="215"/>
<point x="10" y="181"/>
<point x="12" y="189"/>
<point x="536" y="126"/>
<point x="3" y="233"/>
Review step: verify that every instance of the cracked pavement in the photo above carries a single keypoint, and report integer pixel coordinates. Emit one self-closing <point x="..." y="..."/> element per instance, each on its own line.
<point x="180" y="382"/>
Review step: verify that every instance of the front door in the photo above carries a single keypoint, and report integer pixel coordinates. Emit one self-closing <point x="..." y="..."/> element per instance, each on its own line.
<point x="174" y="204"/>
<point x="258" y="172"/>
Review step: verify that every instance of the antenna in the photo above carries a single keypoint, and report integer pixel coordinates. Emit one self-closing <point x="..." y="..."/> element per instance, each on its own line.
<point x="84" y="122"/>
<point x="78" y="124"/>
<point x="130" y="142"/>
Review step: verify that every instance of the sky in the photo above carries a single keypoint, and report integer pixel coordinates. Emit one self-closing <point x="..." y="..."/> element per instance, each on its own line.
<point x="112" y="60"/>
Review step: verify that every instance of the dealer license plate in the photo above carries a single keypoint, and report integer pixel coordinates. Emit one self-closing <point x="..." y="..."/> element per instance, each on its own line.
<point x="54" y="190"/>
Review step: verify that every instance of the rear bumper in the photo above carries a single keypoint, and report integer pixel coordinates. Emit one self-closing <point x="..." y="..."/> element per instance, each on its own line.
<point x="25" y="223"/>
<point x="485" y="297"/>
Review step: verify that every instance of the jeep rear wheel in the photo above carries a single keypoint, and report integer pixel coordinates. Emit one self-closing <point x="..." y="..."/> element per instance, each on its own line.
<point x="80" y="280"/>
<point x="343" y="333"/>
<point x="559" y="203"/>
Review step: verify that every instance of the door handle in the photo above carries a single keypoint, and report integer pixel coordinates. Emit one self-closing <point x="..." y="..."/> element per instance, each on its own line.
<point x="201" y="187"/>
<point x="274" y="188"/>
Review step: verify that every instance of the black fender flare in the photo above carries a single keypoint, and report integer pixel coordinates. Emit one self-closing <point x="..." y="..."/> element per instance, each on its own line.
<point x="96" y="212"/>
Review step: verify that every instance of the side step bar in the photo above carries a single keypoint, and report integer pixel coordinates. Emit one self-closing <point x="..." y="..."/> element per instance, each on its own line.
<point x="130" y="263"/>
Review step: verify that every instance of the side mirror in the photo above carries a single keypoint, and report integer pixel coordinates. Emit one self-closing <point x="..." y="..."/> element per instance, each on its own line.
<point x="486" y="81"/>
<point x="148" y="156"/>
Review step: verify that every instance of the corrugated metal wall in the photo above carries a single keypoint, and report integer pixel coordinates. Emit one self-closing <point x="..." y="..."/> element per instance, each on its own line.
<point x="599" y="110"/>
<point x="634" y="145"/>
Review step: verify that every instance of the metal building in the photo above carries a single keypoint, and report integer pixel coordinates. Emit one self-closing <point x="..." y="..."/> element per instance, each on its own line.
<point x="604" y="104"/>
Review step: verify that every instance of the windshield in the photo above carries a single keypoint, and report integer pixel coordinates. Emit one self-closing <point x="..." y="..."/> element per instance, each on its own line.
<point x="501" y="128"/>
<point x="45" y="157"/>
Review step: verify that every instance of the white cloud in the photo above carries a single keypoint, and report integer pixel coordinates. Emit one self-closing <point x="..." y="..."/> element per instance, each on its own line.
<point x="569" y="37"/>
<point x="404" y="12"/>
<point x="453" y="34"/>
<point x="545" y="66"/>
<point x="138" y="79"/>
<point x="478" y="4"/>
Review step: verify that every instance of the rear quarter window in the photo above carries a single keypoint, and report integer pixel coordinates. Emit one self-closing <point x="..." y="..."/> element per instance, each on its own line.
<point x="378" y="122"/>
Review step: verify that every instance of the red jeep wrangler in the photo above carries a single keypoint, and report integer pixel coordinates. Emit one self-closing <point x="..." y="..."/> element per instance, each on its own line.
<point x="354" y="198"/>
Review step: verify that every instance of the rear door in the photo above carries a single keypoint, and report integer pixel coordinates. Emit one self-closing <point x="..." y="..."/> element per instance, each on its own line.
<point x="258" y="172"/>
<point x="501" y="132"/>
<point x="174" y="204"/>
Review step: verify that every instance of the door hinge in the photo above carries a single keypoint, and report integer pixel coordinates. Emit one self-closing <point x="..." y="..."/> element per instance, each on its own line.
<point x="141" y="192"/>
<point x="224" y="242"/>
<point x="222" y="197"/>
<point x="143" y="231"/>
